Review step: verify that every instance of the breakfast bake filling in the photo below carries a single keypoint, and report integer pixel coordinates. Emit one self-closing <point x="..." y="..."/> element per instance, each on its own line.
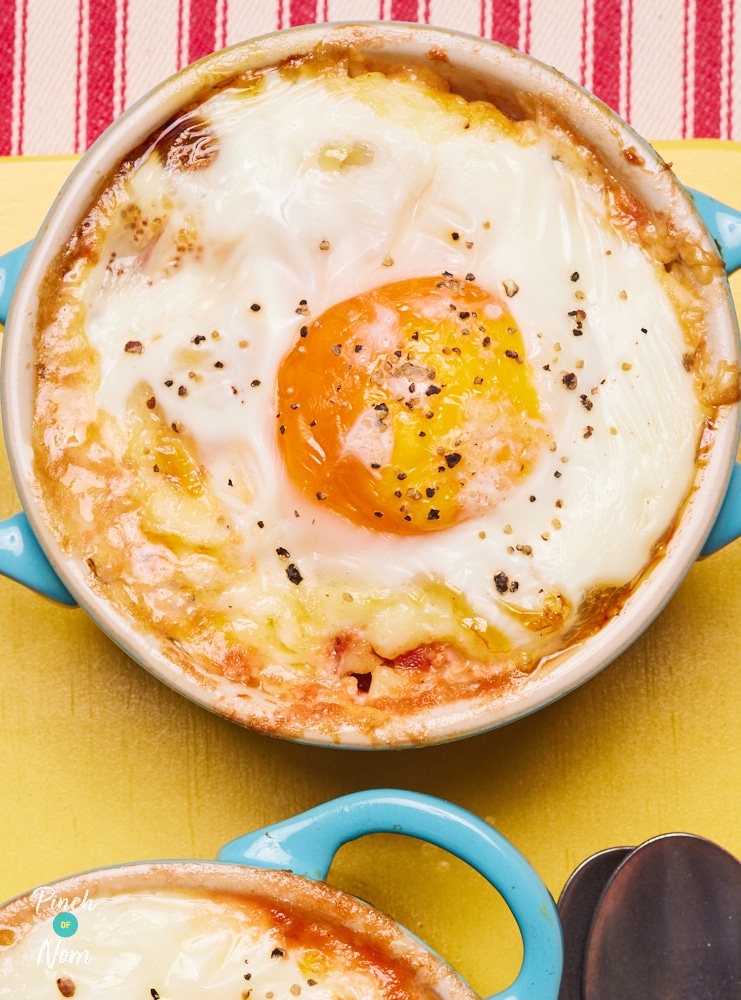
<point x="369" y="400"/>
<point x="144" y="932"/>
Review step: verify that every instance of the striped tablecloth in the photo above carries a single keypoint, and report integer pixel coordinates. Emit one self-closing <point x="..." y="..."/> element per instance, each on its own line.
<point x="68" y="67"/>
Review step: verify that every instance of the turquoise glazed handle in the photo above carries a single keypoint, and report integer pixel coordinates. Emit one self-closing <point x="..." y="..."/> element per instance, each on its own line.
<point x="11" y="265"/>
<point x="724" y="225"/>
<point x="306" y="845"/>
<point x="21" y="559"/>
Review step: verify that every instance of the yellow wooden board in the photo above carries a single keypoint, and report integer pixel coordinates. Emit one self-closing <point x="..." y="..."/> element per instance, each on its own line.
<point x="100" y="763"/>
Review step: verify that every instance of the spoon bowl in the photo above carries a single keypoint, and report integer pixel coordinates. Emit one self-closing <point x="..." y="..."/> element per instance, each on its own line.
<point x="668" y="925"/>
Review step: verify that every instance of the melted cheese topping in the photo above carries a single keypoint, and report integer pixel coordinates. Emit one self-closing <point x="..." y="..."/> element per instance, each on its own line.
<point x="236" y="498"/>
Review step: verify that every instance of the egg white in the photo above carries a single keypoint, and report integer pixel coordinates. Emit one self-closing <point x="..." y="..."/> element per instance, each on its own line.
<point x="180" y="945"/>
<point x="261" y="210"/>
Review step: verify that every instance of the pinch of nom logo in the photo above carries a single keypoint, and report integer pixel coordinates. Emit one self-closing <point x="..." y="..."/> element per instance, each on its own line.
<point x="53" y="951"/>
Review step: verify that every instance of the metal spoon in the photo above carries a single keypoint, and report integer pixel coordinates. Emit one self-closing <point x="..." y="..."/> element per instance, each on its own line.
<point x="576" y="906"/>
<point x="668" y="925"/>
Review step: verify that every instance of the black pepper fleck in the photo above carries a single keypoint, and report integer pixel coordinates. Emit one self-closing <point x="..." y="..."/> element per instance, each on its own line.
<point x="586" y="402"/>
<point x="569" y="380"/>
<point x="293" y="574"/>
<point x="433" y="514"/>
<point x="501" y="582"/>
<point x="452" y="459"/>
<point x="168" y="382"/>
<point x="432" y="390"/>
<point x="575" y="276"/>
<point x="284" y="553"/>
<point x="182" y="391"/>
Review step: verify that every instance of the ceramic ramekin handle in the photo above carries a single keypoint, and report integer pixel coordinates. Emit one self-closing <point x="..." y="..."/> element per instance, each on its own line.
<point x="22" y="559"/>
<point x="306" y="845"/>
<point x="727" y="525"/>
<point x="11" y="265"/>
<point x="723" y="224"/>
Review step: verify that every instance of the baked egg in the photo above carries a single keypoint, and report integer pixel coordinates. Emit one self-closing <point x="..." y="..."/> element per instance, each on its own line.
<point x="369" y="399"/>
<point x="193" y="930"/>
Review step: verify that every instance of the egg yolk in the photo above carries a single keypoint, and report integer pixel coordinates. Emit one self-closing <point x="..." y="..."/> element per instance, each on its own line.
<point x="409" y="408"/>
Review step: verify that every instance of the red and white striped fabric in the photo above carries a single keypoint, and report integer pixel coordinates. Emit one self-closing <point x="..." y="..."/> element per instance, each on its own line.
<point x="68" y="67"/>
